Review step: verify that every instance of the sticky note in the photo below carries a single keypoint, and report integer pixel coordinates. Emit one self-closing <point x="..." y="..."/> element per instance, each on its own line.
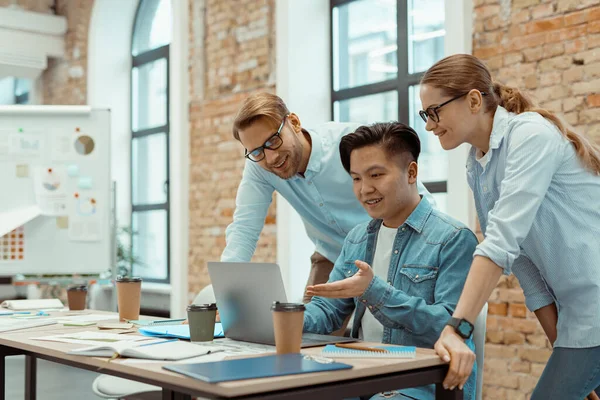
<point x="73" y="170"/>
<point x="85" y="182"/>
<point x="22" y="171"/>
<point x="62" y="222"/>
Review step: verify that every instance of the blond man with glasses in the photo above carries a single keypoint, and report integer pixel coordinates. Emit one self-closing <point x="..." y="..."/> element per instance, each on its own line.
<point x="304" y="166"/>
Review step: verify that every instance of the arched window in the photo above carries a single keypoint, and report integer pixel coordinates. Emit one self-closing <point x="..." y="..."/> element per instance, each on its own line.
<point x="150" y="139"/>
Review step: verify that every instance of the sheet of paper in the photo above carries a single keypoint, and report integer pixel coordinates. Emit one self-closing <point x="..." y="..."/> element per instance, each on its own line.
<point x="26" y="144"/>
<point x="12" y="219"/>
<point x="207" y="358"/>
<point x="85" y="318"/>
<point x="63" y="147"/>
<point x="93" y="337"/>
<point x="85" y="224"/>
<point x="50" y="191"/>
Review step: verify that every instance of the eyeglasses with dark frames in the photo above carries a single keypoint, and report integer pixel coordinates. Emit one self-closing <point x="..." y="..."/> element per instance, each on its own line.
<point x="432" y="112"/>
<point x="273" y="143"/>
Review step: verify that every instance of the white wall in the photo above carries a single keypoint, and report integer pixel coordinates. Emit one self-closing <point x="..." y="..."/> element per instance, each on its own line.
<point x="303" y="81"/>
<point x="109" y="71"/>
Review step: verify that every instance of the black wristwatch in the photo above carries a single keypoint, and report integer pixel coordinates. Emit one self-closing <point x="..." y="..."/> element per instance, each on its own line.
<point x="463" y="327"/>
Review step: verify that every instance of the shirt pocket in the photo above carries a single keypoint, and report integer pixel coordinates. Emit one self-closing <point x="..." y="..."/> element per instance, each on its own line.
<point x="419" y="280"/>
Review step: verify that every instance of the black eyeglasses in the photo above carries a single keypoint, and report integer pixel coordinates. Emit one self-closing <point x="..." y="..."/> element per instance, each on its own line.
<point x="432" y="112"/>
<point x="273" y="143"/>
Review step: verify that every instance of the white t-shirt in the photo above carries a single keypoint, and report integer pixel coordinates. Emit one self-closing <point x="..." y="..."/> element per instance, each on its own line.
<point x="371" y="329"/>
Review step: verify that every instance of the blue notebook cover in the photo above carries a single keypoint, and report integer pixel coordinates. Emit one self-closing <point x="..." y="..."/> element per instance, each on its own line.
<point x="332" y="350"/>
<point x="256" y="367"/>
<point x="176" y="331"/>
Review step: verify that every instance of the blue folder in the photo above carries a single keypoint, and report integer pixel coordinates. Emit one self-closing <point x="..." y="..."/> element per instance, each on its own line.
<point x="256" y="367"/>
<point x="176" y="331"/>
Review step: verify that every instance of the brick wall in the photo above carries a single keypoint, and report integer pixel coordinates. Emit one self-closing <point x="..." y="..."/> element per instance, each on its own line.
<point x="235" y="58"/>
<point x="552" y="49"/>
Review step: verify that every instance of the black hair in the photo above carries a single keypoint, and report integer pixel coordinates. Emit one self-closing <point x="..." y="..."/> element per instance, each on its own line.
<point x="396" y="138"/>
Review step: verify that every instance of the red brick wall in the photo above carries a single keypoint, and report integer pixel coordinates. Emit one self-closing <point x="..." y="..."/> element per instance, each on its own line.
<point x="235" y="58"/>
<point x="552" y="49"/>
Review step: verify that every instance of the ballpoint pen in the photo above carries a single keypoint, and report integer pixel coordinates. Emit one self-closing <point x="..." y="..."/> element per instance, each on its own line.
<point x="360" y="347"/>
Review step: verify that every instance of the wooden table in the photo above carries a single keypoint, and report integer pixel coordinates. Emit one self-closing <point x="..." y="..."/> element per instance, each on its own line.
<point x="368" y="376"/>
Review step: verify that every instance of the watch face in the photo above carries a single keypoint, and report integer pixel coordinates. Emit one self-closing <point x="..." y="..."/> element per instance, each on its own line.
<point x="464" y="328"/>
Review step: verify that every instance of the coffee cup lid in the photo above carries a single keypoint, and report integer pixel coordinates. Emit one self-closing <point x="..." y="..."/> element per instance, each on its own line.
<point x="128" y="279"/>
<point x="202" y="307"/>
<point x="80" y="288"/>
<point x="287" y="307"/>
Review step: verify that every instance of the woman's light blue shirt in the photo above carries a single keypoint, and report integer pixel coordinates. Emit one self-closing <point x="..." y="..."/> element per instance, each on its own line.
<point x="539" y="210"/>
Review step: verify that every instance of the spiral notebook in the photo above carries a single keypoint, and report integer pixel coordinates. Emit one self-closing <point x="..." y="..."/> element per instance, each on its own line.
<point x="391" y="352"/>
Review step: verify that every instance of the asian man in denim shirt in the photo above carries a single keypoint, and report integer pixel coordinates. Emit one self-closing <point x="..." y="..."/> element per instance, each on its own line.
<point x="404" y="270"/>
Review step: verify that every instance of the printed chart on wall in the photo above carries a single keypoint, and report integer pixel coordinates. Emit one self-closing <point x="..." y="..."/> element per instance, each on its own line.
<point x="55" y="172"/>
<point x="12" y="246"/>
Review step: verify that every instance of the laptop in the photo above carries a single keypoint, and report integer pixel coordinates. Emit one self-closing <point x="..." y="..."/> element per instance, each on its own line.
<point x="245" y="293"/>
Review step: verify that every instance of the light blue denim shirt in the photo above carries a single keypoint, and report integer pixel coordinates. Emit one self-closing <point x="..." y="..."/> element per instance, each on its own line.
<point x="429" y="265"/>
<point x="539" y="210"/>
<point x="323" y="198"/>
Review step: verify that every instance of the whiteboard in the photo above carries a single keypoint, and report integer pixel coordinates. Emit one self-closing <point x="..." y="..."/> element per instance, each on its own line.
<point x="58" y="159"/>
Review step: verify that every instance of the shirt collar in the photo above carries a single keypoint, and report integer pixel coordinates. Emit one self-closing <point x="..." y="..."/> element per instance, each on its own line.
<point x="415" y="220"/>
<point x="316" y="152"/>
<point x="501" y="119"/>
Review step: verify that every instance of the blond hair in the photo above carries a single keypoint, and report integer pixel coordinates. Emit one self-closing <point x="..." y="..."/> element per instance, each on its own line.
<point x="260" y="105"/>
<point x="457" y="73"/>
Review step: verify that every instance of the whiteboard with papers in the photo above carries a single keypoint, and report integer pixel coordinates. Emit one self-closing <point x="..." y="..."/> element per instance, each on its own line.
<point x="55" y="208"/>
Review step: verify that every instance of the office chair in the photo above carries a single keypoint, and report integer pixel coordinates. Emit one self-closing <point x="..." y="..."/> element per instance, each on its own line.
<point x="479" y="341"/>
<point x="111" y="387"/>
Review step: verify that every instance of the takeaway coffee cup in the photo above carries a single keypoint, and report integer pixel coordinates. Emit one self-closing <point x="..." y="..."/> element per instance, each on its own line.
<point x="76" y="296"/>
<point x="288" y="319"/>
<point x="201" y="318"/>
<point x="129" y="291"/>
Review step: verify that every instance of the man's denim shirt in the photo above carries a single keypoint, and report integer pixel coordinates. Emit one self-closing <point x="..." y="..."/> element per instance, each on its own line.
<point x="430" y="261"/>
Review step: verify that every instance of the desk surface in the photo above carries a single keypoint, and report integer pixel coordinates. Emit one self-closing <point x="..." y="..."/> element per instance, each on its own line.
<point x="154" y="374"/>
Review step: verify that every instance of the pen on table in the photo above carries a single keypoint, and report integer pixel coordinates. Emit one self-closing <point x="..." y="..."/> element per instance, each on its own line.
<point x="360" y="347"/>
<point x="164" y="341"/>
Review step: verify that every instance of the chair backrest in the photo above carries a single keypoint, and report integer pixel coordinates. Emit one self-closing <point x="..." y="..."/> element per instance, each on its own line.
<point x="205" y="296"/>
<point x="479" y="341"/>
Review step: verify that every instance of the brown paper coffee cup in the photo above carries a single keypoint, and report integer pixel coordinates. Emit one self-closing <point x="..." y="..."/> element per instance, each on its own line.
<point x="129" y="291"/>
<point x="288" y="320"/>
<point x="77" y="296"/>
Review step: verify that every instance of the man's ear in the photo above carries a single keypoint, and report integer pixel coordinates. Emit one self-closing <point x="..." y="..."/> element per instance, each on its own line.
<point x="475" y="100"/>
<point x="295" y="121"/>
<point x="413" y="170"/>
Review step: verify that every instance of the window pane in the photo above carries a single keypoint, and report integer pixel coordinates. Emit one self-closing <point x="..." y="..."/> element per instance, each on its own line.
<point x="441" y="201"/>
<point x="367" y="109"/>
<point x="433" y="161"/>
<point x="149" y="95"/>
<point x="364" y="43"/>
<point x="425" y="34"/>
<point x="150" y="243"/>
<point x="152" y="26"/>
<point x="149" y="169"/>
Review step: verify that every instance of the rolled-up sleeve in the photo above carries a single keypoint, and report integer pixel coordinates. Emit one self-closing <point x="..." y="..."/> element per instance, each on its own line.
<point x="537" y="294"/>
<point x="252" y="202"/>
<point x="534" y="154"/>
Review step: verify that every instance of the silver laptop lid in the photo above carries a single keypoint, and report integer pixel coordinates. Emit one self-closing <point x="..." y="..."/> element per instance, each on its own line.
<point x="244" y="294"/>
